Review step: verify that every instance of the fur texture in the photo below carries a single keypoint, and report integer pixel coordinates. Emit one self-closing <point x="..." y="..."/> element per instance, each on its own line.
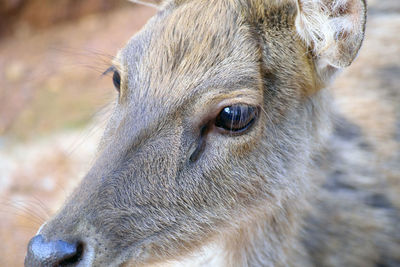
<point x="268" y="196"/>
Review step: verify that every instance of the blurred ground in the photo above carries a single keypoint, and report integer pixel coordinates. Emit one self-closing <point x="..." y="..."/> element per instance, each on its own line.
<point x="51" y="88"/>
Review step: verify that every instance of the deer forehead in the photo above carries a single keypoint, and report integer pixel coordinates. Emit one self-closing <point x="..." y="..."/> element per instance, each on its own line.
<point x="192" y="48"/>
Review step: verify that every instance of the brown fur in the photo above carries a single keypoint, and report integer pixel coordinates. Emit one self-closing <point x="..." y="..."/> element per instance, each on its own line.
<point x="146" y="202"/>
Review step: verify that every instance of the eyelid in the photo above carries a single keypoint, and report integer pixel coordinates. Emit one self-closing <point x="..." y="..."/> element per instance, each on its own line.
<point x="110" y="69"/>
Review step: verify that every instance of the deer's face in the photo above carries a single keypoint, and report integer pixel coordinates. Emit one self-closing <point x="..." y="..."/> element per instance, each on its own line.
<point x="212" y="119"/>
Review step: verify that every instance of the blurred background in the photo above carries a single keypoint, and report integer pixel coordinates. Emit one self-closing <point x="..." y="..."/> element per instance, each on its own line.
<point x="54" y="100"/>
<point x="53" y="103"/>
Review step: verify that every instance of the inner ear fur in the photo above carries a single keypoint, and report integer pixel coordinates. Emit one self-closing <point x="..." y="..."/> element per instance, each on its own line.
<point x="333" y="30"/>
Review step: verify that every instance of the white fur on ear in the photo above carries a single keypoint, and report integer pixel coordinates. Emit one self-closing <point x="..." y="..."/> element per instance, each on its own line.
<point x="333" y="29"/>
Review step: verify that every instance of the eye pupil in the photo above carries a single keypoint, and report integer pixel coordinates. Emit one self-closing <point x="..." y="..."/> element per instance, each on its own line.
<point x="236" y="118"/>
<point x="117" y="80"/>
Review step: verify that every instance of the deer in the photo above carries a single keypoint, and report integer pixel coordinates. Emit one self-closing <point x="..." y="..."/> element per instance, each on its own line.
<point x="223" y="148"/>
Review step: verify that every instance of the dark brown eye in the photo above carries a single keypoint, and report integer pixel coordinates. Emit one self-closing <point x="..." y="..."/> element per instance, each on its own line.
<point x="117" y="80"/>
<point x="236" y="118"/>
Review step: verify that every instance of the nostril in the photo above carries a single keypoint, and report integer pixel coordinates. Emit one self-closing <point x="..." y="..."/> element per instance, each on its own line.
<point x="52" y="253"/>
<point x="73" y="258"/>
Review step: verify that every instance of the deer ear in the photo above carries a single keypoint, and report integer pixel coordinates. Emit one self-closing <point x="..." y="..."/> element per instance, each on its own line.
<point x="333" y="30"/>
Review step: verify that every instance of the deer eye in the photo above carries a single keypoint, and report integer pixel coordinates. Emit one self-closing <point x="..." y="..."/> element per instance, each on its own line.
<point x="236" y="118"/>
<point x="117" y="80"/>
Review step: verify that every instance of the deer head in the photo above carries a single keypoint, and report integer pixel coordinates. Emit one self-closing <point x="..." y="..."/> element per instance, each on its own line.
<point x="220" y="107"/>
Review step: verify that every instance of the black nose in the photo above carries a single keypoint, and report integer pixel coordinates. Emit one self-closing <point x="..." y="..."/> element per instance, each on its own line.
<point x="52" y="253"/>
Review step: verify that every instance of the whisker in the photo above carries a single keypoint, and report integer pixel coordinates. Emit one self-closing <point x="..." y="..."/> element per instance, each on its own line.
<point x="144" y="3"/>
<point x="44" y="208"/>
<point x="22" y="206"/>
<point x="98" y="60"/>
<point x="81" y="52"/>
<point x="20" y="210"/>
